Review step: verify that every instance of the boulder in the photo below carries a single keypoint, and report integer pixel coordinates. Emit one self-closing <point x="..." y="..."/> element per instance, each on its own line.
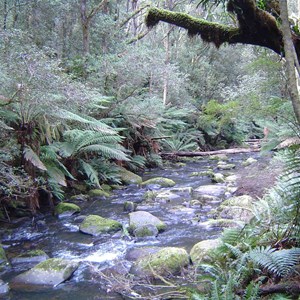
<point x="219" y="157"/>
<point x="161" y="181"/>
<point x="64" y="209"/>
<point x="164" y="262"/>
<point x="128" y="177"/>
<point x="145" y="230"/>
<point x="50" y="273"/>
<point x="166" y="196"/>
<point x="186" y="190"/>
<point x="238" y="208"/>
<point x="142" y="218"/>
<point x="30" y="257"/>
<point x="211" y="190"/>
<point x="98" y="193"/>
<point x="96" y="225"/>
<point x="200" y="251"/>
<point x="4" y="288"/>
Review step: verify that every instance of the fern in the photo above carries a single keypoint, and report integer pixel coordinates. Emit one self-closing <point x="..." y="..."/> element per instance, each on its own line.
<point x="91" y="173"/>
<point x="33" y="158"/>
<point x="280" y="262"/>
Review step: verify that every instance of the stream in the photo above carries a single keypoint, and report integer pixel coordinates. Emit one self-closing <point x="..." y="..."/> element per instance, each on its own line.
<point x="60" y="238"/>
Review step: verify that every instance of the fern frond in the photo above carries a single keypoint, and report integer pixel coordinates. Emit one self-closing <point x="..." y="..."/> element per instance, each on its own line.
<point x="33" y="158"/>
<point x="280" y="262"/>
<point x="56" y="174"/>
<point x="4" y="126"/>
<point x="91" y="173"/>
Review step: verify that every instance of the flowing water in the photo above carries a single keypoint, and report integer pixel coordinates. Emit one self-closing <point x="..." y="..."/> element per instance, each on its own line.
<point x="61" y="237"/>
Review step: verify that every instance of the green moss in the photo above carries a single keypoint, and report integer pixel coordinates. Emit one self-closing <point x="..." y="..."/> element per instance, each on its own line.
<point x="208" y="173"/>
<point x="129" y="178"/>
<point x="63" y="207"/>
<point x="2" y="255"/>
<point x="209" y="31"/>
<point x="96" y="225"/>
<point x="52" y="264"/>
<point x="163" y="182"/>
<point x="98" y="193"/>
<point x="106" y="187"/>
<point x="33" y="253"/>
<point x="169" y="260"/>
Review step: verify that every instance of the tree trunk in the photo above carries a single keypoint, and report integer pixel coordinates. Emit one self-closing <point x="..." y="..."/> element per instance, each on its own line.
<point x="290" y="58"/>
<point x="85" y="28"/>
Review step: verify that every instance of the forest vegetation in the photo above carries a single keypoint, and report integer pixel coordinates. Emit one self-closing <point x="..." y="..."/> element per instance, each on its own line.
<point x="90" y="87"/>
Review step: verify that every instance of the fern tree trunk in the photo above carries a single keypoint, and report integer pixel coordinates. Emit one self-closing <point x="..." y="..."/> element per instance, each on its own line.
<point x="290" y="58"/>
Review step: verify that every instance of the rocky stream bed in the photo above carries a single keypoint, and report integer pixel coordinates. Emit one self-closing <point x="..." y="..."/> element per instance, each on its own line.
<point x="147" y="230"/>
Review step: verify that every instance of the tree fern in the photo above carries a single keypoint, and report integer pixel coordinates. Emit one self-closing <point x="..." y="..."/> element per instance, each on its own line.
<point x="281" y="262"/>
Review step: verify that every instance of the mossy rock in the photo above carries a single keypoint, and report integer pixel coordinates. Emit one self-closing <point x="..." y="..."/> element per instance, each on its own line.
<point x="64" y="209"/>
<point x="129" y="206"/>
<point x="96" y="225"/>
<point x="51" y="272"/>
<point x="105" y="187"/>
<point x="219" y="157"/>
<point x="142" y="218"/>
<point x="200" y="252"/>
<point x="208" y="173"/>
<point x="224" y="166"/>
<point x="162" y="181"/>
<point x="98" y="193"/>
<point x="167" y="261"/>
<point x="128" y="177"/>
<point x="210" y="190"/>
<point x="218" y="178"/>
<point x="30" y="257"/>
<point x="249" y="161"/>
<point x="145" y="230"/>
<point x="79" y="197"/>
<point x="222" y="223"/>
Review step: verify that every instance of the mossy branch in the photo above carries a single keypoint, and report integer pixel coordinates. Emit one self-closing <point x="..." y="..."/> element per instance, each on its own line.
<point x="209" y="31"/>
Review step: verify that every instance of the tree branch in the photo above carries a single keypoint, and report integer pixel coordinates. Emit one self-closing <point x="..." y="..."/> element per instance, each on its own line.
<point x="255" y="26"/>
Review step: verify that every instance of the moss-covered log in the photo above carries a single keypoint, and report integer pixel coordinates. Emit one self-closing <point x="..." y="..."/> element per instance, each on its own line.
<point x="255" y="26"/>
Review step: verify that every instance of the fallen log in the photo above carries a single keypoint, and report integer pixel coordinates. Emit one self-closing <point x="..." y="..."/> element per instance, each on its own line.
<point x="206" y="153"/>
<point x="290" y="288"/>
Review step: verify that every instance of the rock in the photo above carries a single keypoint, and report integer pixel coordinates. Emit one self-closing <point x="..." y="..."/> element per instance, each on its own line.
<point x="249" y="161"/>
<point x="208" y="173"/>
<point x="145" y="230"/>
<point x="4" y="288"/>
<point x="129" y="206"/>
<point x="105" y="187"/>
<point x="222" y="223"/>
<point x="218" y="178"/>
<point x="142" y="218"/>
<point x="137" y="253"/>
<point x="128" y="177"/>
<point x="200" y="251"/>
<point x="50" y="272"/>
<point x="30" y="257"/>
<point x="98" y="193"/>
<point x="187" y="190"/>
<point x="64" y="209"/>
<point x="231" y="178"/>
<point x="162" y="181"/>
<point x="238" y="208"/>
<point x="224" y="166"/>
<point x="80" y="197"/>
<point x="211" y="190"/>
<point x="164" y="262"/>
<point x="96" y="225"/>
<point x="166" y="196"/>
<point x="182" y="210"/>
<point x="219" y="157"/>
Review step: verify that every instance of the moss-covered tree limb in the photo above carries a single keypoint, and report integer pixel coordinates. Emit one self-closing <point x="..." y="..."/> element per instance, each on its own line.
<point x="255" y="26"/>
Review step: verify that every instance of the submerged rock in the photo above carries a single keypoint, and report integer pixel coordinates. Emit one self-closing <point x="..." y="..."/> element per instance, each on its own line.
<point x="224" y="166"/>
<point x="164" y="262"/>
<point x="142" y="218"/>
<point x="162" y="181"/>
<point x="50" y="272"/>
<point x="200" y="251"/>
<point x="129" y="206"/>
<point x="96" y="225"/>
<point x="218" y="178"/>
<point x="249" y="161"/>
<point x="30" y="257"/>
<point x="128" y="177"/>
<point x="64" y="209"/>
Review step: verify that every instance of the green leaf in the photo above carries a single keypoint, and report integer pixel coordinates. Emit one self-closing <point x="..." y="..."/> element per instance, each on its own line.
<point x="33" y="158"/>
